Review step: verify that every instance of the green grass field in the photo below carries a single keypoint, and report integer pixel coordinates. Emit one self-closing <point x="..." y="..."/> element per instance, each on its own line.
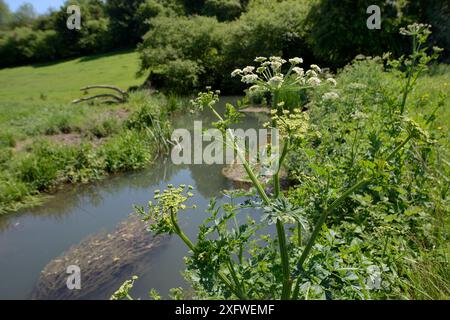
<point x="35" y="100"/>
<point x="61" y="81"/>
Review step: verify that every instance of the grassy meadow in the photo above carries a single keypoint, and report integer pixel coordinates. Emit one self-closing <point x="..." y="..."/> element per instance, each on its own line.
<point x="59" y="82"/>
<point x="46" y="141"/>
<point x="35" y="100"/>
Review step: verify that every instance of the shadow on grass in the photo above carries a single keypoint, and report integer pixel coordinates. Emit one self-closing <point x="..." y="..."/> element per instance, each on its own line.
<point x="84" y="58"/>
<point x="107" y="54"/>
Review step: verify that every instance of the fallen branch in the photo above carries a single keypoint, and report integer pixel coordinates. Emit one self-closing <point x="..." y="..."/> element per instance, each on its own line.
<point x="122" y="92"/>
<point x="121" y="97"/>
<point x="103" y="95"/>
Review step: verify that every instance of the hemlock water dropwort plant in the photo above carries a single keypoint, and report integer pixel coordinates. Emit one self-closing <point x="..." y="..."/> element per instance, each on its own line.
<point x="239" y="258"/>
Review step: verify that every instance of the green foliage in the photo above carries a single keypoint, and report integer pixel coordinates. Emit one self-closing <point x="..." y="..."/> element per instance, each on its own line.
<point x="224" y="10"/>
<point x="5" y="14"/>
<point x="181" y="53"/>
<point x="106" y="128"/>
<point x="41" y="169"/>
<point x="337" y="33"/>
<point x="189" y="53"/>
<point x="24" y="15"/>
<point x="24" y="44"/>
<point x="124" y="291"/>
<point x="269" y="29"/>
<point x="7" y="140"/>
<point x="365" y="216"/>
<point x="124" y="25"/>
<point x="127" y="152"/>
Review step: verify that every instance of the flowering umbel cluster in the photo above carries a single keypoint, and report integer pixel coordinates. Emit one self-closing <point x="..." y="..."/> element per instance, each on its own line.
<point x="269" y="75"/>
<point x="292" y="125"/>
<point x="167" y="204"/>
<point x="416" y="29"/>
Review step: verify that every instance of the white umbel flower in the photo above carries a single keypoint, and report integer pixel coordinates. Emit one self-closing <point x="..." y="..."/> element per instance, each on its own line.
<point x="332" y="82"/>
<point x="236" y="72"/>
<point x="314" y="81"/>
<point x="248" y="70"/>
<point x="330" y="96"/>
<point x="260" y="59"/>
<point x="250" y="78"/>
<point x="276" y="65"/>
<point x="299" y="71"/>
<point x="311" y="73"/>
<point x="316" y="68"/>
<point x="295" y="61"/>
<point x="276" y="81"/>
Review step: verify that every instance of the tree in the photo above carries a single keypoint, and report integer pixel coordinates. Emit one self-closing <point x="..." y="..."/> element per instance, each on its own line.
<point x="124" y="25"/>
<point x="5" y="14"/>
<point x="24" y="16"/>
<point x="222" y="9"/>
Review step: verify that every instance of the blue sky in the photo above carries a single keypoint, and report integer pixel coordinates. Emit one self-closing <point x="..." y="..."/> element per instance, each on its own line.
<point x="41" y="6"/>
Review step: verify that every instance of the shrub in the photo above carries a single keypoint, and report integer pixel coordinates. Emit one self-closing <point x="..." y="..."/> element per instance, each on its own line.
<point x="106" y="128"/>
<point x="270" y="28"/>
<point x="337" y="33"/>
<point x="129" y="151"/>
<point x="223" y="9"/>
<point x="183" y="53"/>
<point x="41" y="169"/>
<point x="24" y="44"/>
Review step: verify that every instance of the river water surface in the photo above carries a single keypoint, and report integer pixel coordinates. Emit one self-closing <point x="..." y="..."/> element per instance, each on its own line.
<point x="32" y="238"/>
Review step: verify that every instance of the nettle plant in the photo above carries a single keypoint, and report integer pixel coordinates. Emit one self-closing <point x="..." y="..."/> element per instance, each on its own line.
<point x="238" y="257"/>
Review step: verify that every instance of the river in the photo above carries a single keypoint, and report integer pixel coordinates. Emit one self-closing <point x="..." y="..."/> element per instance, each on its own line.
<point x="30" y="239"/>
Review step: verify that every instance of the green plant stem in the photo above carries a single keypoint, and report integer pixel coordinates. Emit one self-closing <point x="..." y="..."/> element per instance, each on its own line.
<point x="299" y="234"/>
<point x="237" y="284"/>
<point x="276" y="179"/>
<point x="405" y="94"/>
<point x="325" y="214"/>
<point x="180" y="232"/>
<point x="230" y="286"/>
<point x="410" y="74"/>
<point x="399" y="147"/>
<point x="332" y="207"/>
<point x="191" y="246"/>
<point x="250" y="173"/>
<point x="287" y="283"/>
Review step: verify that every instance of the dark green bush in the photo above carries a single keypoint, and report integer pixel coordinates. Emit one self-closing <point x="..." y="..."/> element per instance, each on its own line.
<point x="223" y="9"/>
<point x="182" y="53"/>
<point x="267" y="29"/>
<point x="338" y="32"/>
<point x="128" y="151"/>
<point x="23" y="44"/>
<point x="41" y="169"/>
<point x="106" y="128"/>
